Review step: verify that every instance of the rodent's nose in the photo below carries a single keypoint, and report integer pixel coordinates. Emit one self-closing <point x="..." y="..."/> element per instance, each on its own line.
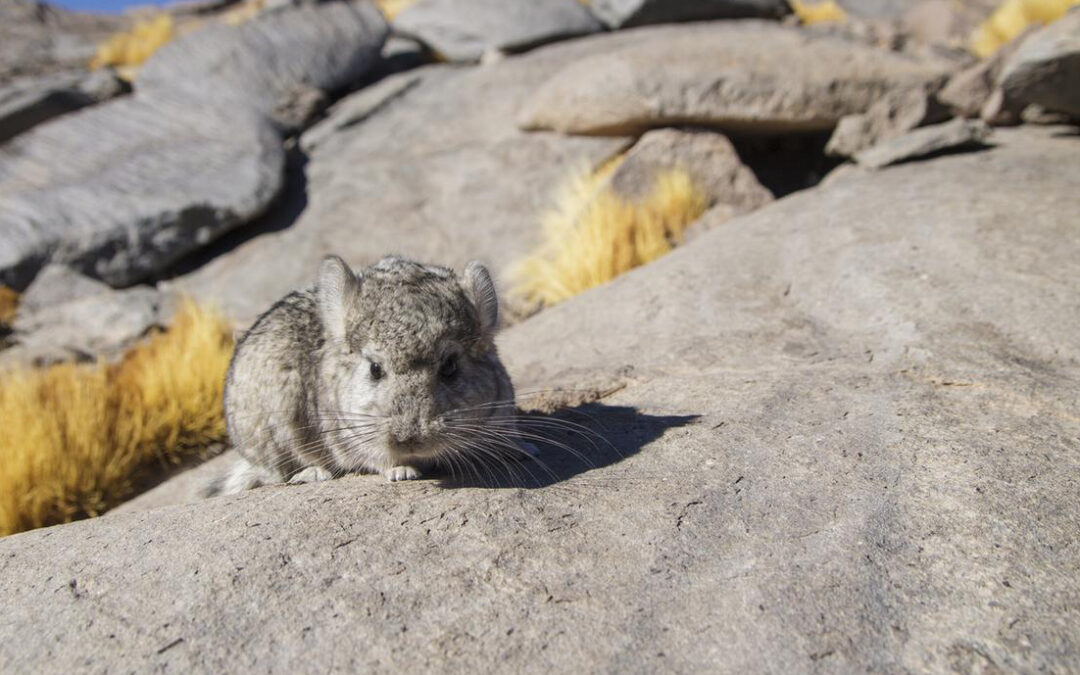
<point x="404" y="434"/>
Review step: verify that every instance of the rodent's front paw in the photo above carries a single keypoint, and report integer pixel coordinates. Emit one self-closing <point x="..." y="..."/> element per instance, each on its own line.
<point x="312" y="474"/>
<point x="396" y="473"/>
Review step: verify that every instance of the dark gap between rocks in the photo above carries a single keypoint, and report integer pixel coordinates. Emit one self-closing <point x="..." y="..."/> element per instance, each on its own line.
<point x="788" y="163"/>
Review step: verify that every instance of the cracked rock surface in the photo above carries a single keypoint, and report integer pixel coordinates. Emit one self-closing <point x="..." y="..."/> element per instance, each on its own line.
<point x="844" y="439"/>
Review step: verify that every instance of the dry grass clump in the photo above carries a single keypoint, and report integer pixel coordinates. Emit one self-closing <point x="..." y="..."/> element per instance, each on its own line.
<point x="1011" y="18"/>
<point x="391" y="8"/>
<point x="129" y="49"/>
<point x="74" y="437"/>
<point x="593" y="235"/>
<point x="819" y="12"/>
<point x="9" y="303"/>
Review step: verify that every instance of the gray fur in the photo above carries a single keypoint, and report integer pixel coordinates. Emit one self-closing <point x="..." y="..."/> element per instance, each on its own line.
<point x="303" y="404"/>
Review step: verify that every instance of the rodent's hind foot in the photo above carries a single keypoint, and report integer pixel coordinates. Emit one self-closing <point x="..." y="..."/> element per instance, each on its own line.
<point x="396" y="473"/>
<point x="312" y="474"/>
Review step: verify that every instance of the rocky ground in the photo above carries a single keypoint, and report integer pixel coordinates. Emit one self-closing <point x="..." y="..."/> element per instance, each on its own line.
<point x="837" y="429"/>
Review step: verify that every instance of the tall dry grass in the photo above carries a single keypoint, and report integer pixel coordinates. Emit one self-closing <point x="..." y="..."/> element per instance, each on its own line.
<point x="593" y="235"/>
<point x="1011" y="18"/>
<point x="74" y="437"/>
<point x="826" y="11"/>
<point x="127" y="50"/>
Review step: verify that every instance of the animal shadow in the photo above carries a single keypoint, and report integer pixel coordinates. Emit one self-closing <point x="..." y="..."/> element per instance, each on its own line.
<point x="570" y="441"/>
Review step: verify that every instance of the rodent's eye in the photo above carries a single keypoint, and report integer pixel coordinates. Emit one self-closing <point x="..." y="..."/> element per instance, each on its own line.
<point x="376" y="371"/>
<point x="449" y="368"/>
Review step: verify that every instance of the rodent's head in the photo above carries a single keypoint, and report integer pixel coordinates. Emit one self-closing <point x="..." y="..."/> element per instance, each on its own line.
<point x="409" y="353"/>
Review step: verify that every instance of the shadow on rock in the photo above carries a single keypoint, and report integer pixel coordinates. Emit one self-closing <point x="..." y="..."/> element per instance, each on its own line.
<point x="570" y="441"/>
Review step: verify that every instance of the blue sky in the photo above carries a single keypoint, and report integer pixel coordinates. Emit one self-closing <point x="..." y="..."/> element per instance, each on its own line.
<point x="112" y="6"/>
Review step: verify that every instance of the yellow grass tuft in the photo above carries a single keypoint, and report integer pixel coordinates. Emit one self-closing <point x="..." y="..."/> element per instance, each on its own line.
<point x="129" y="49"/>
<point x="9" y="303"/>
<point x="593" y="235"/>
<point x="74" y="437"/>
<point x="1011" y="18"/>
<point x="819" y="12"/>
<point x="391" y="8"/>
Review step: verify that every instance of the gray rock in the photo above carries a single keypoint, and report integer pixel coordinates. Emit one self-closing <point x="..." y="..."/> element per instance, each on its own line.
<point x="895" y="114"/>
<point x="437" y="172"/>
<point x="27" y="104"/>
<point x="40" y="39"/>
<point x="957" y="134"/>
<point x="103" y="324"/>
<point x="124" y="189"/>
<point x="968" y="90"/>
<point x="739" y="76"/>
<point x="356" y="108"/>
<point x="463" y="30"/>
<point x="709" y="159"/>
<point x="845" y="413"/>
<point x="1045" y="68"/>
<point x="279" y="65"/>
<point x="628" y="13"/>
<point x="55" y="285"/>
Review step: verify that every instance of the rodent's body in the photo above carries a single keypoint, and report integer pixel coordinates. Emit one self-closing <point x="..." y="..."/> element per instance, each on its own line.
<point x="388" y="370"/>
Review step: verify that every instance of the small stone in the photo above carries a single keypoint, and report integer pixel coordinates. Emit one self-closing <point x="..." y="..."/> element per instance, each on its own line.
<point x="953" y="135"/>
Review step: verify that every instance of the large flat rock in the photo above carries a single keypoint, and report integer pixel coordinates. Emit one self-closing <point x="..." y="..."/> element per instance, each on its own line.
<point x="464" y="30"/>
<point x="434" y="167"/>
<point x="849" y="443"/>
<point x="278" y="65"/>
<point x="741" y="76"/>
<point x="123" y="189"/>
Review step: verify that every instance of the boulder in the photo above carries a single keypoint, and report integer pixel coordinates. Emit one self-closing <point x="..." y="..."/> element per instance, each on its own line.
<point x="279" y="65"/>
<point x="628" y="13"/>
<point x="968" y="89"/>
<point x="463" y="30"/>
<point x="55" y="285"/>
<point x="1045" y="68"/>
<point x="709" y="158"/>
<point x="844" y="413"/>
<point x="957" y="134"/>
<point x="122" y="190"/>
<point x="895" y="114"/>
<point x="432" y="165"/>
<point x="101" y="324"/>
<point x="739" y="76"/>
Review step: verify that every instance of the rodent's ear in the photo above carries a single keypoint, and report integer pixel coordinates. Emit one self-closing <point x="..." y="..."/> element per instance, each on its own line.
<point x="476" y="281"/>
<point x="336" y="283"/>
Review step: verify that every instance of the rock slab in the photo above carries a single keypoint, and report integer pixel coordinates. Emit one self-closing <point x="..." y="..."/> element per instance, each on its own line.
<point x="848" y="440"/>
<point x="463" y="30"/>
<point x="739" y="76"/>
<point x="955" y="134"/>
